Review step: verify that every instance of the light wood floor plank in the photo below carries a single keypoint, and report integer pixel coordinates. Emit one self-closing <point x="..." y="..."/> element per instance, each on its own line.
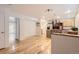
<point x="31" y="45"/>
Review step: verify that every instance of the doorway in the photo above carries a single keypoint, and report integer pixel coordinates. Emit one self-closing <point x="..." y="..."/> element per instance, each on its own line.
<point x="14" y="30"/>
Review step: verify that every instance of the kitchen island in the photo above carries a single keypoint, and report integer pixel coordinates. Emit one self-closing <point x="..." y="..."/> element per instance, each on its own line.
<point x="63" y="43"/>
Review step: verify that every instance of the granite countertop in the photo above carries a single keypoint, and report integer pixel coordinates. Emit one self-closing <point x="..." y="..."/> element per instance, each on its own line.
<point x="65" y="34"/>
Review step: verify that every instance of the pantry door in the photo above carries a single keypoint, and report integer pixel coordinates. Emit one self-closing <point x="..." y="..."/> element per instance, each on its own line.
<point x="2" y="31"/>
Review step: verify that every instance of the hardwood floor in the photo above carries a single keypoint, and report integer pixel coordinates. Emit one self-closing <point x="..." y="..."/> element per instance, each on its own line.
<point x="32" y="45"/>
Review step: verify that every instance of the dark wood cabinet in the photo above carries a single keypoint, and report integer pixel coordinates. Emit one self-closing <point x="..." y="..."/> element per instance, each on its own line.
<point x="73" y="32"/>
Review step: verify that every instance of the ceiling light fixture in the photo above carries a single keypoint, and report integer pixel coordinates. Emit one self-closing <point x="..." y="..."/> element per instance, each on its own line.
<point x="68" y="11"/>
<point x="48" y="10"/>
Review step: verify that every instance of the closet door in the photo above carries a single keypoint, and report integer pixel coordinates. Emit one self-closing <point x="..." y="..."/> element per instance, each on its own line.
<point x="2" y="32"/>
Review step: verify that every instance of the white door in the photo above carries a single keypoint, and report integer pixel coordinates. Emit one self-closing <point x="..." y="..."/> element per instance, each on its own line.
<point x="2" y="32"/>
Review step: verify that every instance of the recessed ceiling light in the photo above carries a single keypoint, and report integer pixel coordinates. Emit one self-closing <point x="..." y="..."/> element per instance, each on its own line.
<point x="68" y="11"/>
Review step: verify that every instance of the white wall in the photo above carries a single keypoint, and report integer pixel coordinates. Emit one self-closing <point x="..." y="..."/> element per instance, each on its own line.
<point x="77" y="21"/>
<point x="27" y="24"/>
<point x="27" y="27"/>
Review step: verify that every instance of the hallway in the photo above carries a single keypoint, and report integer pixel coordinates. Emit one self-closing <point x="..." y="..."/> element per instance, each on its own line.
<point x="31" y="45"/>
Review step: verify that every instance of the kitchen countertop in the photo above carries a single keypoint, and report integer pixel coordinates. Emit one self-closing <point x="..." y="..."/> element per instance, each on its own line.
<point x="65" y="34"/>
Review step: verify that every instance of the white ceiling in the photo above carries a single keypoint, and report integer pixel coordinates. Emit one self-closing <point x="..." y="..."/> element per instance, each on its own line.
<point x="38" y="10"/>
